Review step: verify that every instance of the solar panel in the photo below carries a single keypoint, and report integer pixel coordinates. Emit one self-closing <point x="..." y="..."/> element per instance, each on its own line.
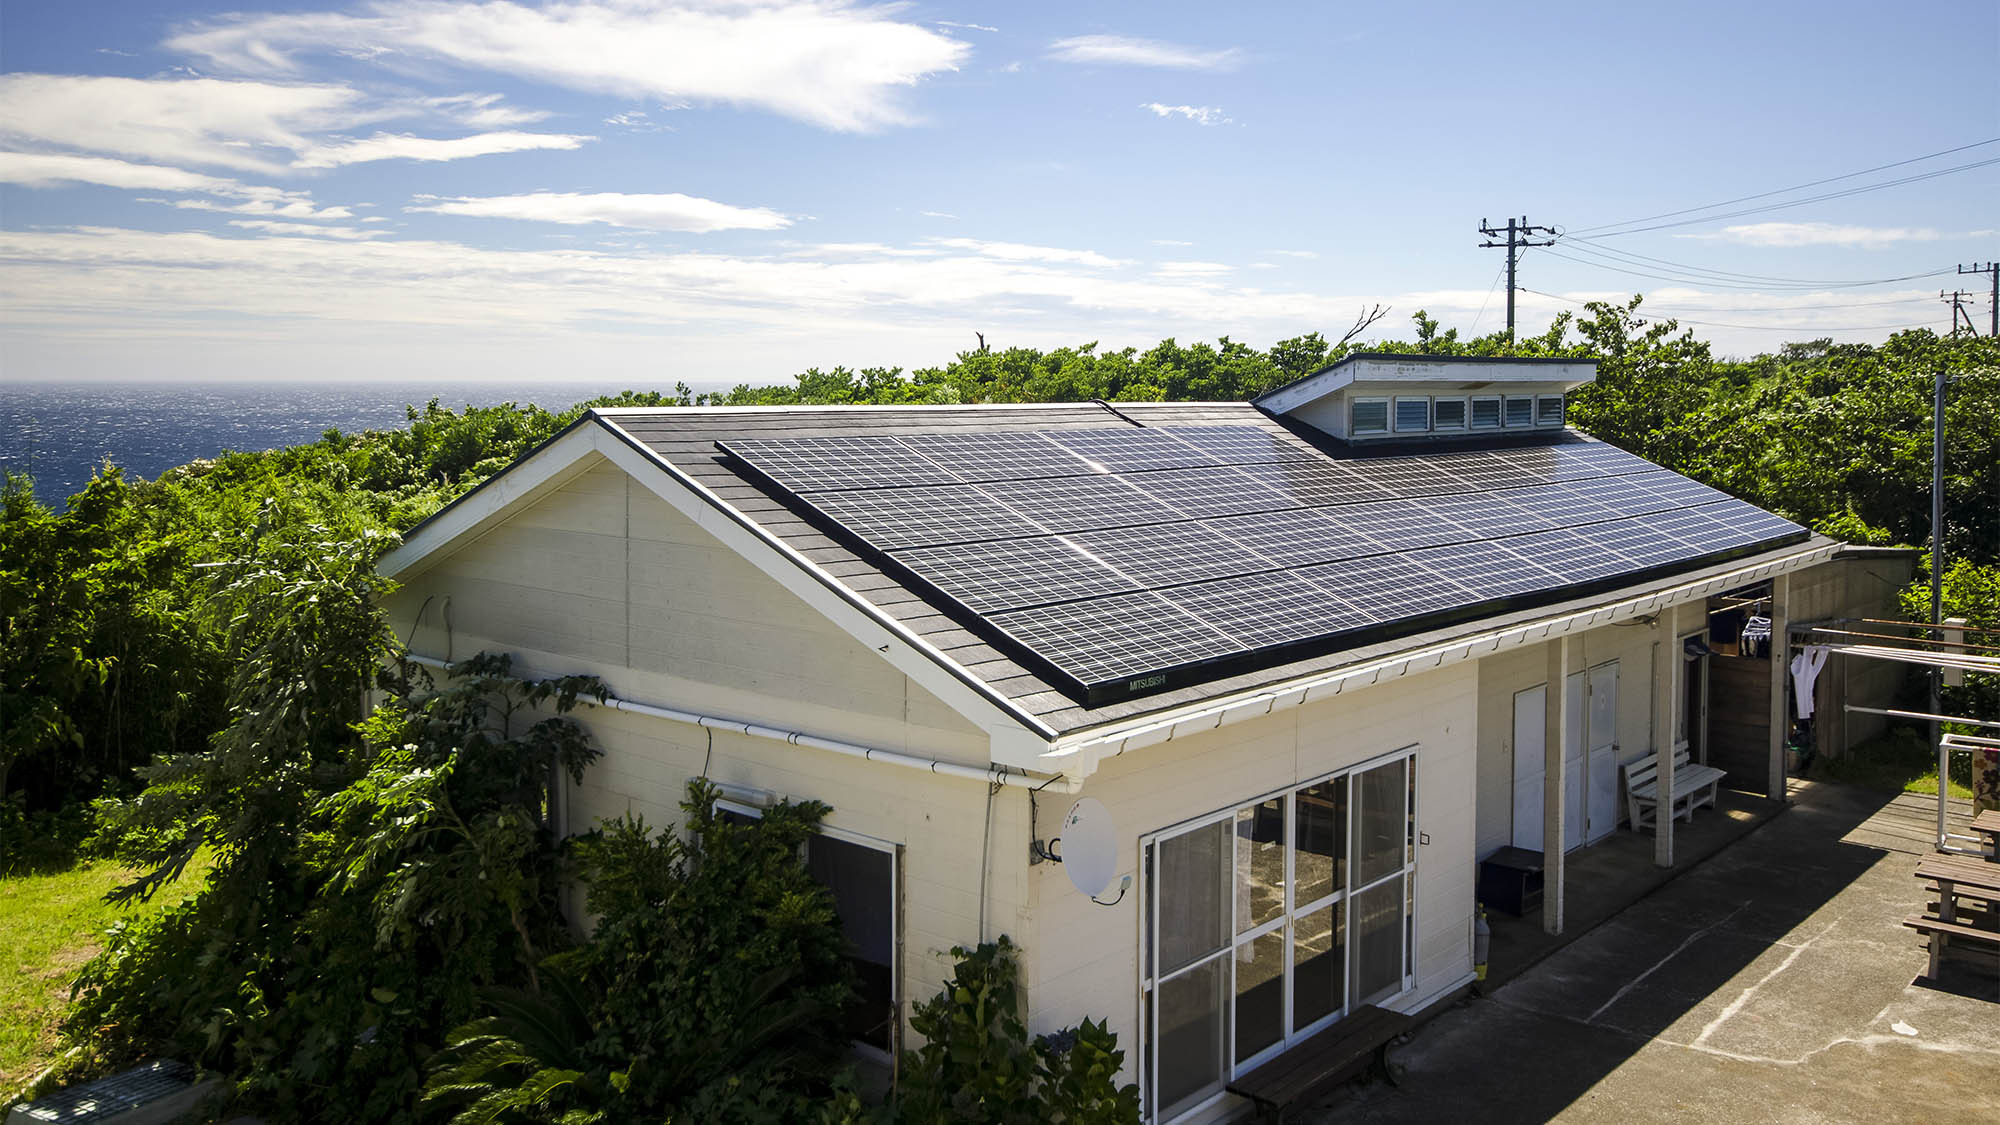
<point x="1310" y="484"/>
<point x="1390" y="587"/>
<point x="1243" y="445"/>
<point x="1168" y="554"/>
<point x="1121" y="560"/>
<point x="1393" y="525"/>
<point x="1485" y="516"/>
<point x="1131" y="450"/>
<point x="1636" y="541"/>
<point x="1080" y="503"/>
<point x="913" y="517"/>
<point x="818" y="464"/>
<point x="1120" y="639"/>
<point x="1020" y="572"/>
<point x="1491" y="570"/>
<point x="998" y="456"/>
<point x="1408" y="477"/>
<point x="1223" y="491"/>
<point x="1275" y="608"/>
<point x="1293" y="538"/>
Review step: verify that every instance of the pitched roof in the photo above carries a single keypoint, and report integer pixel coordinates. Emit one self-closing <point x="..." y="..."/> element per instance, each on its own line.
<point x="696" y="443"/>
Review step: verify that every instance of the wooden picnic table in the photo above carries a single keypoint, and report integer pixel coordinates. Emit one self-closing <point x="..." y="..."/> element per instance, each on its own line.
<point x="1987" y="824"/>
<point x="1956" y="877"/>
<point x="1959" y="876"/>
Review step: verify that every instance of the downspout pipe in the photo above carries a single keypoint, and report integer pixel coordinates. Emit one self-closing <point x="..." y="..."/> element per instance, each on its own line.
<point x="992" y="775"/>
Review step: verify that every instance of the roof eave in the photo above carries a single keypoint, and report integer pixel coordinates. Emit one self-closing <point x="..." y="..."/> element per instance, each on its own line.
<point x="1079" y="752"/>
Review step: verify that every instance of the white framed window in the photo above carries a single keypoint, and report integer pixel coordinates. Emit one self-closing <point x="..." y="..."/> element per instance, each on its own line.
<point x="861" y="873"/>
<point x="1448" y="414"/>
<point x="1413" y="415"/>
<point x="1486" y="412"/>
<point x="1520" y="410"/>
<point x="1549" y="410"/>
<point x="1267" y="921"/>
<point x="1369" y="416"/>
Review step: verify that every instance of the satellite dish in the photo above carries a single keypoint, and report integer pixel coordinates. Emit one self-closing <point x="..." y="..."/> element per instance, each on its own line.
<point x="1089" y="846"/>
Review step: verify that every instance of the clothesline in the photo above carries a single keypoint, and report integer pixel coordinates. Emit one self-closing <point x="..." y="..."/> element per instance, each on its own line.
<point x="1967" y="662"/>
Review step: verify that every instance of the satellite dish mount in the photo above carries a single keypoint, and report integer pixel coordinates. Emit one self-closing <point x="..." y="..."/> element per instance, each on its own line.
<point x="1087" y="848"/>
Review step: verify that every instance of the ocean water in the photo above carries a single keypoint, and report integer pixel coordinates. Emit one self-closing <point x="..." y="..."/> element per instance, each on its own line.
<point x="59" y="433"/>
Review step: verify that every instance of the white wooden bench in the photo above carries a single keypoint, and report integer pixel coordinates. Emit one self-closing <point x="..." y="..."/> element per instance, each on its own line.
<point x="1694" y="786"/>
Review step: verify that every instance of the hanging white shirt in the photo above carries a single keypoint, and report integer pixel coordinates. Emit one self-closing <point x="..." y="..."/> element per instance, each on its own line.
<point x="1805" y="672"/>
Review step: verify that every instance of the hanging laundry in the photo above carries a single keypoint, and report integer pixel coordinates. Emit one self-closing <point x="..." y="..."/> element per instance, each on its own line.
<point x="1757" y="637"/>
<point x="1805" y="672"/>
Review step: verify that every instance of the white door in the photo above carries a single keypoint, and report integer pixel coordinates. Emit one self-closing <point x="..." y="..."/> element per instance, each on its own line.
<point x="1574" y="763"/>
<point x="1530" y="767"/>
<point x="1602" y="731"/>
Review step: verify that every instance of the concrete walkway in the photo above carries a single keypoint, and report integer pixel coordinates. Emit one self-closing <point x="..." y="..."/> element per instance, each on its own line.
<point x="1773" y="983"/>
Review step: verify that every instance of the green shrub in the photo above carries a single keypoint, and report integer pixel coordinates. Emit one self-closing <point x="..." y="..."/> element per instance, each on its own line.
<point x="711" y="990"/>
<point x="977" y="1065"/>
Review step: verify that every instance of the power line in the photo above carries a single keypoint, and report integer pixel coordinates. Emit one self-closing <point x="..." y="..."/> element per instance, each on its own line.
<point x="1794" y="187"/>
<point x="1595" y="248"/>
<point x="1748" y="327"/>
<point x="1489" y="298"/>
<point x="1709" y="282"/>
<point x="1808" y="199"/>
<point x="1519" y="237"/>
<point x="1799" y="308"/>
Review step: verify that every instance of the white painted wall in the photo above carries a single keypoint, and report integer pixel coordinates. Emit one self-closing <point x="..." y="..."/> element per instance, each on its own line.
<point x="1084" y="958"/>
<point x="602" y="576"/>
<point x="1500" y="676"/>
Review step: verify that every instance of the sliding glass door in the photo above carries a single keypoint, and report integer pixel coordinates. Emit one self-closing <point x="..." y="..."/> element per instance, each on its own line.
<point x="1268" y="921"/>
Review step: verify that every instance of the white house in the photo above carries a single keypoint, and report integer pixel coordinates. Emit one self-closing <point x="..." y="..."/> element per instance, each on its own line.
<point x="1316" y="656"/>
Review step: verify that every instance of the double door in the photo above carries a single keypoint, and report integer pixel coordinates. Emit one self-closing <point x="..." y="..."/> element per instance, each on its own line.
<point x="1590" y="759"/>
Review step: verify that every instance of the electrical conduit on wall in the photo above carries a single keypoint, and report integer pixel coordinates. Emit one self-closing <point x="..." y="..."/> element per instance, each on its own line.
<point x="991" y="775"/>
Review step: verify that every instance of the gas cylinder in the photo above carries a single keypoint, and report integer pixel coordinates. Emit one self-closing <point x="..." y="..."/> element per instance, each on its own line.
<point x="1482" y="940"/>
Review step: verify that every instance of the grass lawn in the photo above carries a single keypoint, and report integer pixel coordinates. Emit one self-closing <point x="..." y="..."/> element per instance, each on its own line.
<point x="52" y="924"/>
<point x="1900" y="761"/>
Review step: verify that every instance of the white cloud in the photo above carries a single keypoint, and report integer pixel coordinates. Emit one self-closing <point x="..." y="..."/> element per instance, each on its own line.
<point x="833" y="63"/>
<point x="1124" y="50"/>
<point x="639" y="121"/>
<point x="964" y="26"/>
<point x="1171" y="242"/>
<point x="46" y="169"/>
<point x="401" y="146"/>
<point x="1307" y="254"/>
<point x="249" y="126"/>
<point x="268" y="226"/>
<point x="1199" y="114"/>
<point x="668" y="211"/>
<point x="285" y="208"/>
<point x="1021" y="252"/>
<point x="1192" y="269"/>
<point x="483" y="111"/>
<point x="937" y="214"/>
<point x="260" y="127"/>
<point x="1817" y="234"/>
<point x="862" y="250"/>
<point x="43" y="169"/>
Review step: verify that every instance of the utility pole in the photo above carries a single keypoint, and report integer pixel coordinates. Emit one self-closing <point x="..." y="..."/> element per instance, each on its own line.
<point x="1993" y="270"/>
<point x="1957" y="300"/>
<point x="1518" y="234"/>
<point x="1937" y="579"/>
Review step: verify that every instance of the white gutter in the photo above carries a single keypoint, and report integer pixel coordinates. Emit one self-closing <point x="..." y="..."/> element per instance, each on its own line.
<point x="1081" y="753"/>
<point x="993" y="775"/>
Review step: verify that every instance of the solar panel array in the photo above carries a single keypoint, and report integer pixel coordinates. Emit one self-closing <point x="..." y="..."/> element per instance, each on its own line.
<point x="1129" y="559"/>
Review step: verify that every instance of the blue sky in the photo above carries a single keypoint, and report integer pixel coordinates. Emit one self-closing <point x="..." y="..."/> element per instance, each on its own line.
<point x="732" y="190"/>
